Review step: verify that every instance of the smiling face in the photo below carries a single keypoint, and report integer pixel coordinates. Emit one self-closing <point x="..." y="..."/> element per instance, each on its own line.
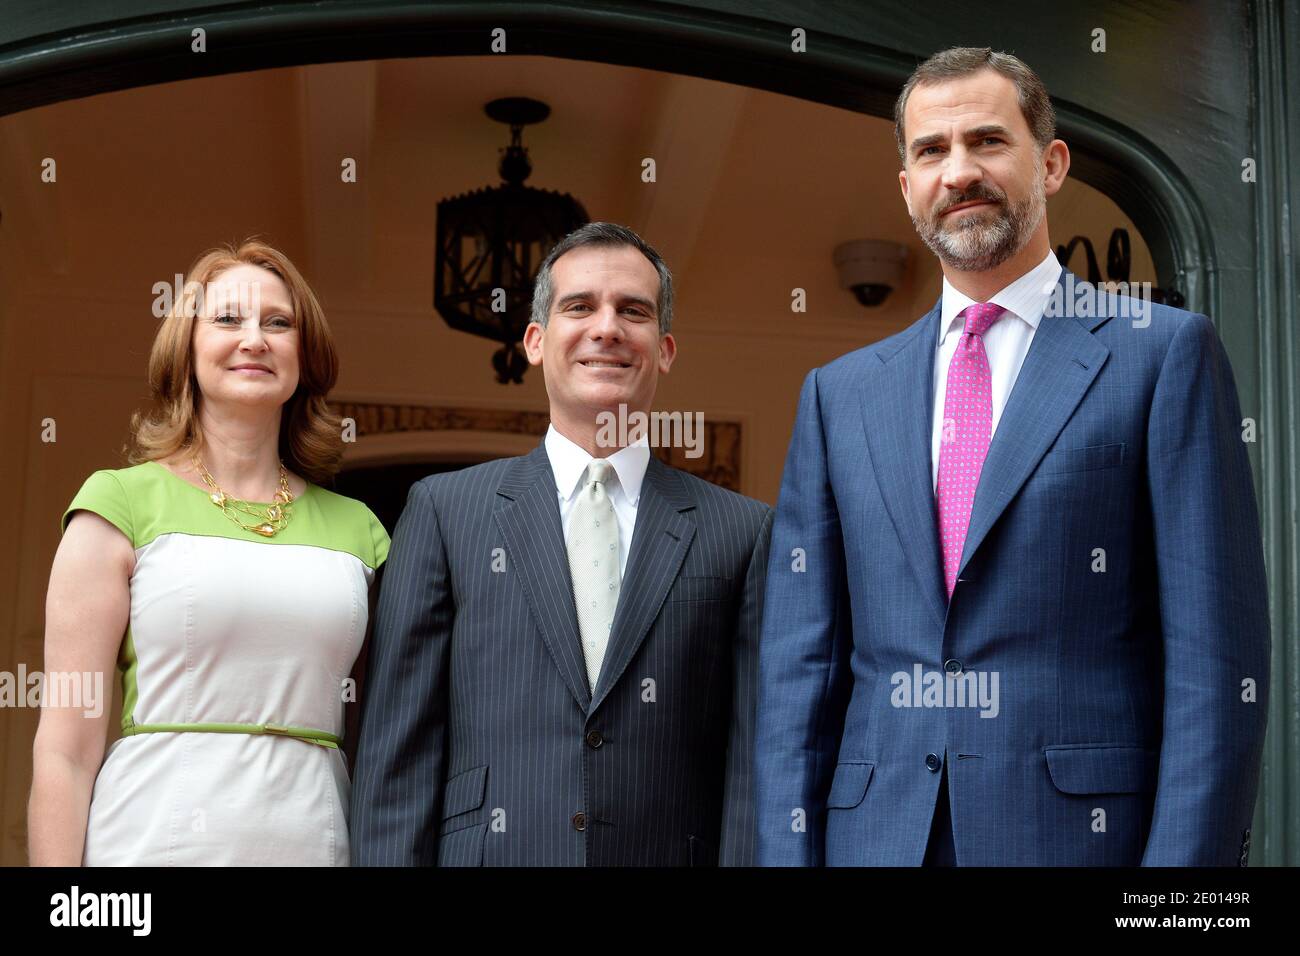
<point x="601" y="346"/>
<point x="246" y="340"/>
<point x="975" y="181"/>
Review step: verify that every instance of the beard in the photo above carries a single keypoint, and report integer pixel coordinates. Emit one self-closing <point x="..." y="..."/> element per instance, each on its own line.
<point x="988" y="237"/>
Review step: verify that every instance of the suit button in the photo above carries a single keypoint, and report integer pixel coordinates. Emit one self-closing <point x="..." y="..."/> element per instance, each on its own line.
<point x="952" y="666"/>
<point x="594" y="740"/>
<point x="579" y="821"/>
<point x="932" y="762"/>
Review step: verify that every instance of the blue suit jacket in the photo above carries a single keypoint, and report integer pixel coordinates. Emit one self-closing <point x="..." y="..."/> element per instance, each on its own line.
<point x="1112" y="583"/>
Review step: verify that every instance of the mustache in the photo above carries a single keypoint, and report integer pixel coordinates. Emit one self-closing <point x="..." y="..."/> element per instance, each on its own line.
<point x="977" y="194"/>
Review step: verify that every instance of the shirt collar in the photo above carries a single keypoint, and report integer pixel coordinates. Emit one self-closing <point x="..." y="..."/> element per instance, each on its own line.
<point x="569" y="460"/>
<point x="1025" y="298"/>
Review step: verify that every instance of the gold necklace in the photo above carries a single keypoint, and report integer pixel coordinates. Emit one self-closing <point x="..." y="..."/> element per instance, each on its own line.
<point x="271" y="521"/>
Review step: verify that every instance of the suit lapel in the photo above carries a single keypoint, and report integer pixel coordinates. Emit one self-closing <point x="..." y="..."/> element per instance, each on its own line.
<point x="1062" y="362"/>
<point x="528" y="514"/>
<point x="665" y="527"/>
<point x="897" y="414"/>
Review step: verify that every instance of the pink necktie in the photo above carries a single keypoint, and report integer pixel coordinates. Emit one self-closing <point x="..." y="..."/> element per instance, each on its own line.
<point x="967" y="427"/>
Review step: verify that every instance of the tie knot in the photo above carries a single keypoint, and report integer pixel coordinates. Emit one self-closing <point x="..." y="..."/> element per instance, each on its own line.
<point x="598" y="471"/>
<point x="981" y="316"/>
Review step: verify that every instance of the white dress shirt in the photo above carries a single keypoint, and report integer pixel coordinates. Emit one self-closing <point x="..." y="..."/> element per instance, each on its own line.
<point x="569" y="461"/>
<point x="1006" y="343"/>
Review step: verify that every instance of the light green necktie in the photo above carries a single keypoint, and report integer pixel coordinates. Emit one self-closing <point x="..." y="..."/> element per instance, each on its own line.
<point x="593" y="564"/>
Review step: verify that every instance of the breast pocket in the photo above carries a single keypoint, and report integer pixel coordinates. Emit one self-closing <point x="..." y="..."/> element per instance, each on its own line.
<point x="698" y="588"/>
<point x="1089" y="458"/>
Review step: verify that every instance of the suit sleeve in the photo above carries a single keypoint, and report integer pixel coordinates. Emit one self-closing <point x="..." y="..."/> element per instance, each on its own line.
<point x="397" y="794"/>
<point x="738" y="838"/>
<point x="804" y="677"/>
<point x="1213" y="607"/>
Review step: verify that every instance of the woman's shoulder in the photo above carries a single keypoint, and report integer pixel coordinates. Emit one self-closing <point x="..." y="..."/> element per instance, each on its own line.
<point x="341" y="505"/>
<point x="129" y="476"/>
<point x="109" y="493"/>
<point x="144" y="475"/>
<point x="355" y="525"/>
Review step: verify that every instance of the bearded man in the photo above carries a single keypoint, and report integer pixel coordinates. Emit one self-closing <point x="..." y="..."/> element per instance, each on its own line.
<point x="1016" y="607"/>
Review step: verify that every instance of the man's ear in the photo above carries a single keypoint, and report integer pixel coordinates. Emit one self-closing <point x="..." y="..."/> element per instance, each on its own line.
<point x="533" y="343"/>
<point x="1056" y="166"/>
<point x="667" y="353"/>
<point x="902" y="184"/>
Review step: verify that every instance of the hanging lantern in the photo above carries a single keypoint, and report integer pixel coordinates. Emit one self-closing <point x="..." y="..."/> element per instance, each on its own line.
<point x="492" y="240"/>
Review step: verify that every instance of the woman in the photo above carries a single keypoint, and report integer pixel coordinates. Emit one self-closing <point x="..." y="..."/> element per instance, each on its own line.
<point x="230" y="587"/>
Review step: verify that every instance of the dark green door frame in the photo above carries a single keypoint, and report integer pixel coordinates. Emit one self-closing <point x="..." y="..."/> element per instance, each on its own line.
<point x="1169" y="155"/>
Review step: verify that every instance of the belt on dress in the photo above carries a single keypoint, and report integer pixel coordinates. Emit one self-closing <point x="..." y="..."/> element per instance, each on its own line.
<point x="320" y="737"/>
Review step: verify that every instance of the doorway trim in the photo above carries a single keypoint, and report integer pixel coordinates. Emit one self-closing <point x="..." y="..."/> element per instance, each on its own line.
<point x="728" y="47"/>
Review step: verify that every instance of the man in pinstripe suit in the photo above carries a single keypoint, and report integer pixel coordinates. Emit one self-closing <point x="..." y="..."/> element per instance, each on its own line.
<point x="563" y="664"/>
<point x="1033" y="625"/>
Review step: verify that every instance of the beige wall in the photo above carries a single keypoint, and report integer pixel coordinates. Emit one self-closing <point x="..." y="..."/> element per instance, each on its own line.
<point x="753" y="192"/>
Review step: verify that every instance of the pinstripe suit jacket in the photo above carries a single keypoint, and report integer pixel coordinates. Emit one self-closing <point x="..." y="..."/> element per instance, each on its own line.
<point x="480" y="740"/>
<point x="1112" y="579"/>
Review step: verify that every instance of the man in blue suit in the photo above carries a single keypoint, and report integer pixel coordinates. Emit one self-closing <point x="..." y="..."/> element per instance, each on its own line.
<point x="1016" y="607"/>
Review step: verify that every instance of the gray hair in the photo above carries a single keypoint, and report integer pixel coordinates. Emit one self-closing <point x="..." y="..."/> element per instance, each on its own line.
<point x="961" y="61"/>
<point x="602" y="234"/>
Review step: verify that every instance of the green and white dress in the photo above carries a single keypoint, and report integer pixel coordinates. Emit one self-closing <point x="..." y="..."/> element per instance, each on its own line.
<point x="233" y="672"/>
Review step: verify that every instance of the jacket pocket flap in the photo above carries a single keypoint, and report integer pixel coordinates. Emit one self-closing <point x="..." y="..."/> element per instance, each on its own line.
<point x="464" y="792"/>
<point x="1115" y="769"/>
<point x="849" y="785"/>
<point x="1088" y="458"/>
<point x="695" y="588"/>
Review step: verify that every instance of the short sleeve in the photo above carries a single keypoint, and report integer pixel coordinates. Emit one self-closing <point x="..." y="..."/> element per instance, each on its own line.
<point x="379" y="537"/>
<point x="103" y="494"/>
